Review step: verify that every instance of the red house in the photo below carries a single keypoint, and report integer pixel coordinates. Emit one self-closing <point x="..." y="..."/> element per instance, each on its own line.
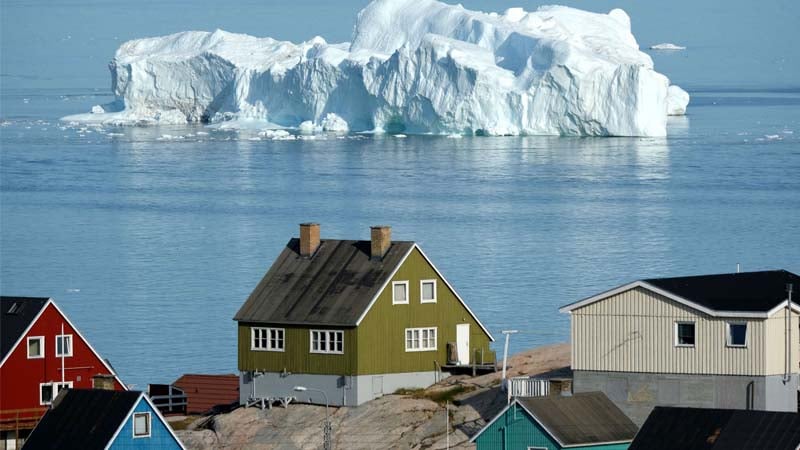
<point x="42" y="352"/>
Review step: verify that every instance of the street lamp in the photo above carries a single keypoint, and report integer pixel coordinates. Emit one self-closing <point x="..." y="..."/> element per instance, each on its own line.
<point x="327" y="429"/>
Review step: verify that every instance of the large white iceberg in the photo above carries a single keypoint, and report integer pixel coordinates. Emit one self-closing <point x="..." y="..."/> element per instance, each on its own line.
<point x="417" y="66"/>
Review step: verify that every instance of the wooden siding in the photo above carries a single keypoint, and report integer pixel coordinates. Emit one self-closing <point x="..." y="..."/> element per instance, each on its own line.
<point x="776" y="342"/>
<point x="515" y="429"/>
<point x="634" y="331"/>
<point x="296" y="356"/>
<point x="381" y="335"/>
<point x="204" y="392"/>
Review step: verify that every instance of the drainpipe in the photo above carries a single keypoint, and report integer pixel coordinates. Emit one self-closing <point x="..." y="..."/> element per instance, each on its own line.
<point x="787" y="376"/>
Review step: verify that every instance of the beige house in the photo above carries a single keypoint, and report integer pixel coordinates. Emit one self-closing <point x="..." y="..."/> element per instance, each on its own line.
<point x="713" y="341"/>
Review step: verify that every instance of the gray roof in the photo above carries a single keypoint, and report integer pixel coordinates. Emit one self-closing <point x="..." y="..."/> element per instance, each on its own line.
<point x="334" y="287"/>
<point x="584" y="418"/>
<point x="16" y="314"/>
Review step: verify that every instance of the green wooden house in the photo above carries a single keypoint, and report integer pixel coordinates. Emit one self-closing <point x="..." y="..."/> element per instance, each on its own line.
<point x="353" y="319"/>
<point x="581" y="421"/>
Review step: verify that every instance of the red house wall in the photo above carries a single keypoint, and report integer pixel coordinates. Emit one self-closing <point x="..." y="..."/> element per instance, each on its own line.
<point x="20" y="377"/>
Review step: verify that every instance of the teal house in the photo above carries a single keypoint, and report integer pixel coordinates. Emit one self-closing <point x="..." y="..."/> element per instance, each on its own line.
<point x="581" y="421"/>
<point x="90" y="419"/>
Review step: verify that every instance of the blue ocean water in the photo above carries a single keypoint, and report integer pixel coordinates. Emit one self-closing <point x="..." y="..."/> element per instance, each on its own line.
<point x="151" y="238"/>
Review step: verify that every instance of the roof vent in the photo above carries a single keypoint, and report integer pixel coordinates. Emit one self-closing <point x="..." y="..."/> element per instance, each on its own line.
<point x="309" y="239"/>
<point x="381" y="237"/>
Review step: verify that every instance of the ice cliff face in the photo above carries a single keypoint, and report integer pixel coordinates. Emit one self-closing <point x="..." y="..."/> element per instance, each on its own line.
<point x="415" y="66"/>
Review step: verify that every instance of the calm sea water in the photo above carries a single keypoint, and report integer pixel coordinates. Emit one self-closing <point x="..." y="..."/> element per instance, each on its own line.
<point x="151" y="238"/>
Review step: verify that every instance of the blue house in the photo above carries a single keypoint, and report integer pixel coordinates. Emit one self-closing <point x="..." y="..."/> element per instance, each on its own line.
<point x="100" y="419"/>
<point x="582" y="421"/>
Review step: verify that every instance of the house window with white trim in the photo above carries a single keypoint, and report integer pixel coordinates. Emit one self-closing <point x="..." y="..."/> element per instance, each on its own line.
<point x="49" y="391"/>
<point x="35" y="347"/>
<point x="427" y="291"/>
<point x="684" y="334"/>
<point x="267" y="339"/>
<point x="400" y="292"/>
<point x="327" y="341"/>
<point x="63" y="345"/>
<point x="141" y="425"/>
<point x="420" y="339"/>
<point x="737" y="334"/>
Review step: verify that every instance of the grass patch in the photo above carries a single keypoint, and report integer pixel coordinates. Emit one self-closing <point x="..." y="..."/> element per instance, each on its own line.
<point x="182" y="424"/>
<point x="439" y="395"/>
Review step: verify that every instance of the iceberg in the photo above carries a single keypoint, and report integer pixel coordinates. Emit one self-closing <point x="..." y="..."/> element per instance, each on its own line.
<point x="667" y="46"/>
<point x="413" y="66"/>
<point x="677" y="101"/>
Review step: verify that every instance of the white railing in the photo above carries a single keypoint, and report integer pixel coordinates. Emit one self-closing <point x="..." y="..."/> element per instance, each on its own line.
<point x="527" y="387"/>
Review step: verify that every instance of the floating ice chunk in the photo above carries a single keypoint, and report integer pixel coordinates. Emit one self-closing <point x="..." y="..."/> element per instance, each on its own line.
<point x="677" y="101"/>
<point x="414" y="66"/>
<point x="667" y="46"/>
<point x="400" y="136"/>
<point x="772" y="137"/>
<point x="307" y="127"/>
<point x="333" y="122"/>
<point x="97" y="109"/>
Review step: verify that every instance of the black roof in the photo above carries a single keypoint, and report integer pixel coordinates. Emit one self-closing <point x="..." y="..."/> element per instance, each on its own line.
<point x="746" y="291"/>
<point x="672" y="428"/>
<point x="82" y="419"/>
<point x="16" y="313"/>
<point x="584" y="418"/>
<point x="333" y="287"/>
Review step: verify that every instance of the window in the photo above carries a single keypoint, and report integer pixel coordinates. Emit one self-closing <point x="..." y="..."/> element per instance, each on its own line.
<point x="36" y="347"/>
<point x="737" y="334"/>
<point x="327" y="341"/>
<point x="49" y="391"/>
<point x="420" y="339"/>
<point x="64" y="345"/>
<point x="427" y="291"/>
<point x="267" y="339"/>
<point x="141" y="425"/>
<point x="684" y="334"/>
<point x="400" y="292"/>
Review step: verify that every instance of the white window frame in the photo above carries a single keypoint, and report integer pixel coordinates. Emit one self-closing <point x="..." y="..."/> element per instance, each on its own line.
<point x="41" y="340"/>
<point x="423" y="347"/>
<point x="149" y="425"/>
<point x="56" y="389"/>
<point x="408" y="299"/>
<point x="422" y="297"/>
<point x="71" y="345"/>
<point x="327" y="340"/>
<point x="729" y="337"/>
<point x="685" y="322"/>
<point x="269" y="347"/>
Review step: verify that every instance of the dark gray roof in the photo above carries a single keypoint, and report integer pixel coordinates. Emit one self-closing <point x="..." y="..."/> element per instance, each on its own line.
<point x="746" y="291"/>
<point x="334" y="287"/>
<point x="584" y="418"/>
<point x="16" y="313"/>
<point x="82" y="419"/>
<point x="669" y="428"/>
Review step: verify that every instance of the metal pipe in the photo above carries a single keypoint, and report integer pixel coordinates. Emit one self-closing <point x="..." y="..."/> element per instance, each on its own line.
<point x="787" y="375"/>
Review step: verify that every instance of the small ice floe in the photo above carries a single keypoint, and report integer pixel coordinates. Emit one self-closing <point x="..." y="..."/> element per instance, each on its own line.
<point x="787" y="132"/>
<point x="26" y="100"/>
<point x="667" y="46"/>
<point x="772" y="137"/>
<point x="400" y="136"/>
<point x="168" y="137"/>
<point x="454" y="136"/>
<point x="73" y="290"/>
<point x="202" y="133"/>
<point x="97" y="109"/>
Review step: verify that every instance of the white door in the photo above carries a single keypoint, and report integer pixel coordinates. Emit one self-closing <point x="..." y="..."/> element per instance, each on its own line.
<point x="462" y="343"/>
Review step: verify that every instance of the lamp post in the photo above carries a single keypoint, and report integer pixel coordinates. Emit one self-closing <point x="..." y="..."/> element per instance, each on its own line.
<point x="326" y="431"/>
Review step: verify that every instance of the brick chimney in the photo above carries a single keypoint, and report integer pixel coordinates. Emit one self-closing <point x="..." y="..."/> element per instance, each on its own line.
<point x="309" y="239"/>
<point x="381" y="236"/>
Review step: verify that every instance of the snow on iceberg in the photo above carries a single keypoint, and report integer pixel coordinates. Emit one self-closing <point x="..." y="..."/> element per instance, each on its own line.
<point x="677" y="101"/>
<point x="414" y="66"/>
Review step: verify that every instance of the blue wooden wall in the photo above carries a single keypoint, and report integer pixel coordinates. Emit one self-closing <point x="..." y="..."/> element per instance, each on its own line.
<point x="516" y="430"/>
<point x="160" y="437"/>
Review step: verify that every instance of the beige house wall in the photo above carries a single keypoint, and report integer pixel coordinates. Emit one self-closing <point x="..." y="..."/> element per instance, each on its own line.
<point x="634" y="331"/>
<point x="776" y="338"/>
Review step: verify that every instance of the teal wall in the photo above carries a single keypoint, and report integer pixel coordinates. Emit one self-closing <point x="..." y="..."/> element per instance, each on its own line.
<point x="160" y="437"/>
<point x="516" y="430"/>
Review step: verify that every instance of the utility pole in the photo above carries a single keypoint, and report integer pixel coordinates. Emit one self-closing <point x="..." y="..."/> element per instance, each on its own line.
<point x="327" y="432"/>
<point x="508" y="334"/>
